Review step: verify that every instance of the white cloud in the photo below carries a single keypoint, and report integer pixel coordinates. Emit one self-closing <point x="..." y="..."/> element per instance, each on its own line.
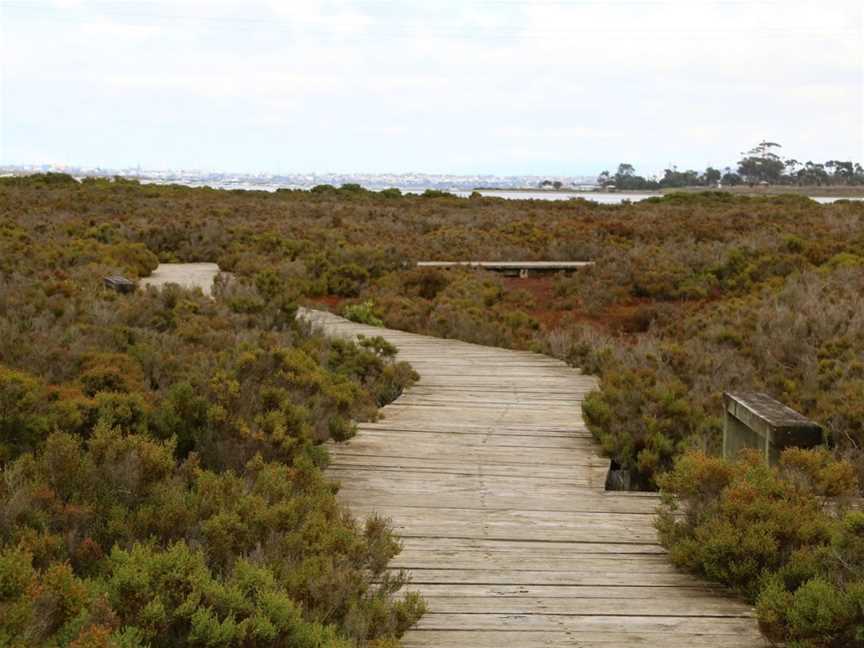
<point x="475" y="82"/>
<point x="565" y="132"/>
<point x="119" y="33"/>
<point x="335" y="17"/>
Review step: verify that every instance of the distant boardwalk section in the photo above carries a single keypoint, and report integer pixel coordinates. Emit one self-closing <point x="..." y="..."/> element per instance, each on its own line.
<point x="187" y="275"/>
<point x="497" y="490"/>
<point x="520" y="268"/>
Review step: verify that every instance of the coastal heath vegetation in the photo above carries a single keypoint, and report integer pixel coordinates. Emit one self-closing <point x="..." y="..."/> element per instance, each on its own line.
<point x="690" y="295"/>
<point x="784" y="538"/>
<point x="161" y="452"/>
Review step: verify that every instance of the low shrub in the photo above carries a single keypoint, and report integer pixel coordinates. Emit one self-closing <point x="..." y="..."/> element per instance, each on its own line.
<point x="766" y="533"/>
<point x="362" y="313"/>
<point x="161" y="452"/>
<point x="690" y="295"/>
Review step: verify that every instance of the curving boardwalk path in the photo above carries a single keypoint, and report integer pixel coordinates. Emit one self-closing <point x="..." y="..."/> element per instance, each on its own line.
<point x="497" y="489"/>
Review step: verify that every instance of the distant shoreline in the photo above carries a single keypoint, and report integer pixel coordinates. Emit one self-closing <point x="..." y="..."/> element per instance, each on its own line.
<point x="741" y="190"/>
<point x="561" y="190"/>
<point x="770" y="190"/>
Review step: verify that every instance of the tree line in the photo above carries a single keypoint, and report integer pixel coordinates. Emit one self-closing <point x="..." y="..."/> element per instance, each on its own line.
<point x="759" y="165"/>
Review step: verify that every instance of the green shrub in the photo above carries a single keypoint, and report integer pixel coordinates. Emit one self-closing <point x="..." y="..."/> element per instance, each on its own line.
<point x="50" y="179"/>
<point x="24" y="420"/>
<point x="347" y="280"/>
<point x="435" y="193"/>
<point x="161" y="451"/>
<point x="764" y="532"/>
<point x="642" y="419"/>
<point x="362" y="313"/>
<point x="323" y="189"/>
<point x="341" y="429"/>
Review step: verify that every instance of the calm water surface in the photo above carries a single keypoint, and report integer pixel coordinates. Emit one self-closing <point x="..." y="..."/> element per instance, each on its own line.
<point x="603" y="198"/>
<point x="830" y="199"/>
<point x="598" y="197"/>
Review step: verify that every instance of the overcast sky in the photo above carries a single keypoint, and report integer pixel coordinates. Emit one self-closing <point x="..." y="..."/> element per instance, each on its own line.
<point x="469" y="86"/>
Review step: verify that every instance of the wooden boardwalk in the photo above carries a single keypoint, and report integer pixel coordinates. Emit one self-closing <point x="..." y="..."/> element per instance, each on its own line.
<point x="187" y="275"/>
<point x="497" y="489"/>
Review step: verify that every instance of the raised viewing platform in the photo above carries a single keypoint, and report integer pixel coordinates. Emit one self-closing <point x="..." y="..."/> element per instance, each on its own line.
<point x="511" y="268"/>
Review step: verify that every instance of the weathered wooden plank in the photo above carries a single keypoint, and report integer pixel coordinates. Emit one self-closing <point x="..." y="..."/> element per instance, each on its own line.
<point x="576" y="622"/>
<point x="570" y="639"/>
<point x="568" y="592"/>
<point x="508" y="265"/>
<point x="637" y="563"/>
<point x="587" y="577"/>
<point x="387" y="424"/>
<point x="696" y="605"/>
<point x="380" y="437"/>
<point x="542" y="458"/>
<point x="361" y="495"/>
<point x="505" y="523"/>
<point x="522" y="547"/>
<point x="493" y="469"/>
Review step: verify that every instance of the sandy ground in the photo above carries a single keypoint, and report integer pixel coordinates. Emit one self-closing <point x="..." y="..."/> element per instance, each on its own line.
<point x="188" y="275"/>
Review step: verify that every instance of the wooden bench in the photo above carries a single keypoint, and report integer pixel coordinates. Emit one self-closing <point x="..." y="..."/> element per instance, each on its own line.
<point x="755" y="420"/>
<point x="511" y="268"/>
<point x="118" y="283"/>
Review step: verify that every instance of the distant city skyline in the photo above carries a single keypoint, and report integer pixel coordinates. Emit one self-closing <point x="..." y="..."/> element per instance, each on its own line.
<point x="541" y="88"/>
<point x="270" y="181"/>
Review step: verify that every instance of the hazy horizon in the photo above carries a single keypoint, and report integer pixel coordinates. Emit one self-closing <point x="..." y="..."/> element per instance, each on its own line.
<point x="286" y="172"/>
<point x="491" y="87"/>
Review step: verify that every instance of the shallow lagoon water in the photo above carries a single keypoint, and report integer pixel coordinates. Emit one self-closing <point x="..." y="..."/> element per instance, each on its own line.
<point x="598" y="197"/>
<point x="603" y="198"/>
<point x="594" y="196"/>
